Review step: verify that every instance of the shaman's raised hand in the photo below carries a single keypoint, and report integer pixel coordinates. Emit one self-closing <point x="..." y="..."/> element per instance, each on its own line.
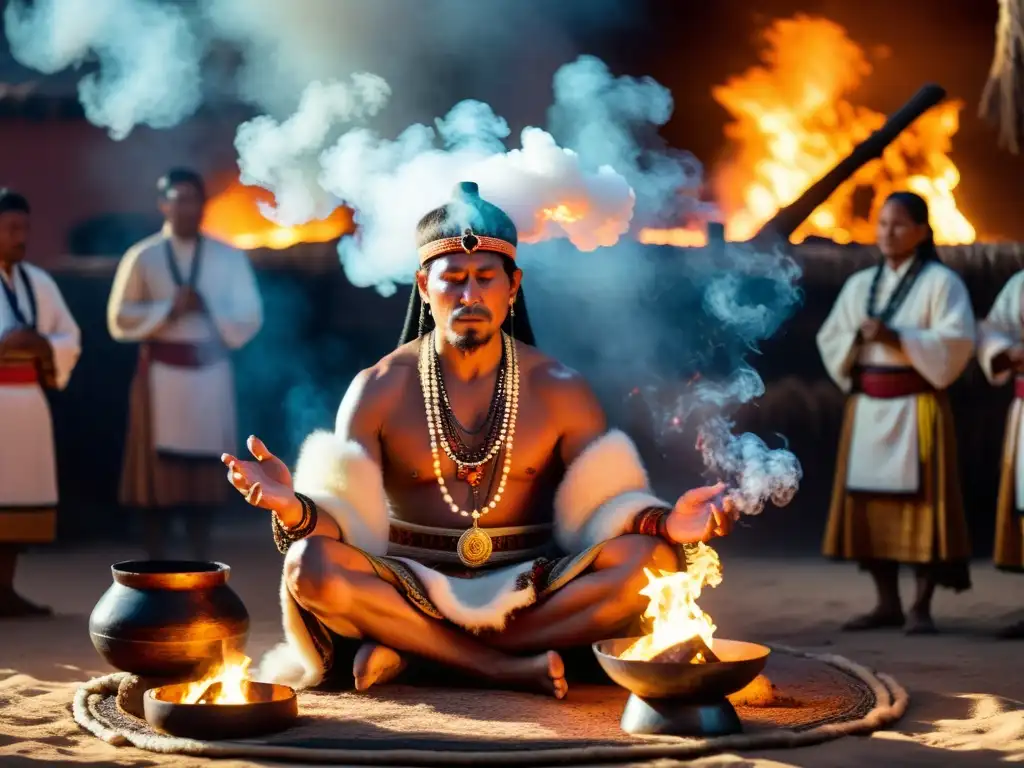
<point x="266" y="482"/>
<point x="700" y="515"/>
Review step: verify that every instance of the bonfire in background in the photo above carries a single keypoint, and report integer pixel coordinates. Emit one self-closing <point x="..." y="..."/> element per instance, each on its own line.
<point x="792" y="121"/>
<point x="234" y="216"/>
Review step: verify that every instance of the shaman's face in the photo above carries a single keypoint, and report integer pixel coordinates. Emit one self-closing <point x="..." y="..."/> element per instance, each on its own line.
<point x="469" y="296"/>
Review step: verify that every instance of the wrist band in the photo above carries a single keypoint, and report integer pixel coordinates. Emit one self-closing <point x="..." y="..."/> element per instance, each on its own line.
<point x="652" y="521"/>
<point x="284" y="536"/>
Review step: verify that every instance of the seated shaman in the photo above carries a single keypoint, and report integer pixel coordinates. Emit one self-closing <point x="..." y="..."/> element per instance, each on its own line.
<point x="471" y="509"/>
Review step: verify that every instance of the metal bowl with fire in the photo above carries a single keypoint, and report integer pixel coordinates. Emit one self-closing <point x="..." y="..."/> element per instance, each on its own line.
<point x="180" y="631"/>
<point x="224" y="704"/>
<point x="679" y="675"/>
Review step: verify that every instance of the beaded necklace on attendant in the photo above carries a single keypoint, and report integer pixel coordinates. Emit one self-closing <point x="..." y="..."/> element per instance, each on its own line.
<point x="475" y="546"/>
<point x="899" y="294"/>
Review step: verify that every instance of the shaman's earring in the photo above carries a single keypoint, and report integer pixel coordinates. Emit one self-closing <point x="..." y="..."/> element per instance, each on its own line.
<point x="512" y="317"/>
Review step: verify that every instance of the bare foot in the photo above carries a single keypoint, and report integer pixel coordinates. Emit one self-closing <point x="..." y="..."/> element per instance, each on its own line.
<point x="544" y="673"/>
<point x="375" y="665"/>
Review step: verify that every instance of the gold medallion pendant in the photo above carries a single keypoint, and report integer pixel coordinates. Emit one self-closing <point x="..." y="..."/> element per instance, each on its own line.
<point x="475" y="547"/>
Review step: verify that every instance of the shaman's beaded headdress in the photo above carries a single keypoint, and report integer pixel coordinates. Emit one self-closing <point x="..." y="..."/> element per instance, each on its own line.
<point x="466" y="224"/>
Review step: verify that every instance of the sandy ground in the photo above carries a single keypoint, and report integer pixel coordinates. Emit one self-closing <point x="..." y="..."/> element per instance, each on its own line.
<point x="966" y="688"/>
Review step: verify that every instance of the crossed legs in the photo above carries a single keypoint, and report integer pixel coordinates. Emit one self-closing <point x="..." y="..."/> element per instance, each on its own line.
<point x="338" y="585"/>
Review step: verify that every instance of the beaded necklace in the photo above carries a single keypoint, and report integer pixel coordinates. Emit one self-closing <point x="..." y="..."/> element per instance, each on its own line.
<point x="475" y="546"/>
<point x="899" y="295"/>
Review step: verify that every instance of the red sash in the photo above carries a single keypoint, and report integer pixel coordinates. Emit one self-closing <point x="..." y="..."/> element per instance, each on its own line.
<point x="183" y="355"/>
<point x="1018" y="387"/>
<point x="18" y="374"/>
<point x="889" y="383"/>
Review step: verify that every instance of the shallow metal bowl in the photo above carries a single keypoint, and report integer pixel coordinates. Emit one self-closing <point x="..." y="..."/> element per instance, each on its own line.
<point x="740" y="662"/>
<point x="270" y="708"/>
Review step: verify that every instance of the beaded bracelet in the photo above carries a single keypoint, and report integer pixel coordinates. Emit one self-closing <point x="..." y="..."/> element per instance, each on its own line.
<point x="652" y="521"/>
<point x="284" y="537"/>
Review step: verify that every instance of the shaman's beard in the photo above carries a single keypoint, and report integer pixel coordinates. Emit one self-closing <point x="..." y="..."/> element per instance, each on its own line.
<point x="469" y="340"/>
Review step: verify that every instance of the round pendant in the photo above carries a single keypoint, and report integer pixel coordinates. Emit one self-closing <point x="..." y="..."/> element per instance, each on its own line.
<point x="475" y="547"/>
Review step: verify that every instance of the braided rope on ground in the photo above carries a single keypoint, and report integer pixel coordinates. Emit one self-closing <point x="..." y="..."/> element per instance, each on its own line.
<point x="891" y="701"/>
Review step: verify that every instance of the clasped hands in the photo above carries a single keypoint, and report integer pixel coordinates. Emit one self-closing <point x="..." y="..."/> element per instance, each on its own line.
<point x="24" y="344"/>
<point x="187" y="300"/>
<point x="874" y="331"/>
<point x="1011" y="359"/>
<point x="699" y="515"/>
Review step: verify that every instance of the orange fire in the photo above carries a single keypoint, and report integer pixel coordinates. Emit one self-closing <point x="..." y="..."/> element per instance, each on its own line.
<point x="232" y="674"/>
<point x="563" y="214"/>
<point x="792" y="121"/>
<point x="234" y="217"/>
<point x="672" y="608"/>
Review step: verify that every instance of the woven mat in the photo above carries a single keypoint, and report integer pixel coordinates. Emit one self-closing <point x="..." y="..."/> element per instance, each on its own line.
<point x="817" y="698"/>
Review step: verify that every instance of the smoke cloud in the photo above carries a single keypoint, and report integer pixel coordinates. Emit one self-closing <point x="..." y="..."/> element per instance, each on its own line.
<point x="148" y="57"/>
<point x="337" y="79"/>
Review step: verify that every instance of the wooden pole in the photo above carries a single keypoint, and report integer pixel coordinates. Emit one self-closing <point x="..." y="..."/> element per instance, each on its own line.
<point x="786" y="221"/>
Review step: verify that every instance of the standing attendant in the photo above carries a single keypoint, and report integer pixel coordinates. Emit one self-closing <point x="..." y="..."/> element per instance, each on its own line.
<point x="190" y="300"/>
<point x="899" y="335"/>
<point x="1001" y="355"/>
<point x="39" y="347"/>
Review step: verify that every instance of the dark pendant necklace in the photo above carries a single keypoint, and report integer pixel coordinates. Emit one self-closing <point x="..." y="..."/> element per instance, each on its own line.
<point x="899" y="294"/>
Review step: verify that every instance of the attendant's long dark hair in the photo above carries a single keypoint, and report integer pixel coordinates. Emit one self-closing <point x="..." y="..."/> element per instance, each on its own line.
<point x="419" y="321"/>
<point x="917" y="208"/>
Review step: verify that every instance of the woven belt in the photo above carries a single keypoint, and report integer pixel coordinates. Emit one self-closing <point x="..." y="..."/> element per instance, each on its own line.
<point x="184" y="355"/>
<point x="448" y="542"/>
<point x="888" y="383"/>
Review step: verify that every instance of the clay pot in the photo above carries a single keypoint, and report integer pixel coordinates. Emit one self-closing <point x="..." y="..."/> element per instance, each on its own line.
<point x="168" y="618"/>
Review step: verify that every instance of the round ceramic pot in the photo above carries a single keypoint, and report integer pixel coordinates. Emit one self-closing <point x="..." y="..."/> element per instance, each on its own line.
<point x="168" y="618"/>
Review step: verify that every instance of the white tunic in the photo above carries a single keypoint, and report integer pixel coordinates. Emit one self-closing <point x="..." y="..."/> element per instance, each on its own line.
<point x="1002" y="329"/>
<point x="193" y="408"/>
<point x="28" y="468"/>
<point x="936" y="326"/>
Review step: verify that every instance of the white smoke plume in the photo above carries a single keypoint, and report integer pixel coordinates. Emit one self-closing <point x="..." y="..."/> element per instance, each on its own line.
<point x="285" y="157"/>
<point x="582" y="182"/>
<point x="148" y="57"/>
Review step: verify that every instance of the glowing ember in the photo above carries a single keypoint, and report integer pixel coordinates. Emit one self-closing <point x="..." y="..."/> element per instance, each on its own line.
<point x="563" y="214"/>
<point x="792" y="122"/>
<point x="679" y="237"/>
<point x="234" y="217"/>
<point x="224" y="684"/>
<point x="673" y="611"/>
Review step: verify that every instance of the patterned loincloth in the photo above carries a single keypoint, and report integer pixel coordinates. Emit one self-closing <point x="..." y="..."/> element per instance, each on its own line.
<point x="546" y="576"/>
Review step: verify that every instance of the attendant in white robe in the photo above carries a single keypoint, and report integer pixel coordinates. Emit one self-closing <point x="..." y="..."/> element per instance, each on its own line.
<point x="1001" y="355"/>
<point x="39" y="347"/>
<point x="898" y="336"/>
<point x="189" y="301"/>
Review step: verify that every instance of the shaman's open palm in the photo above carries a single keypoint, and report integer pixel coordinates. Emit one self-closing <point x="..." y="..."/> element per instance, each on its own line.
<point x="266" y="482"/>
<point x="700" y="515"/>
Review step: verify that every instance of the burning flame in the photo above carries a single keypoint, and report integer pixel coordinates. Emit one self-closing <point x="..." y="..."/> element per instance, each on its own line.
<point x="673" y="611"/>
<point x="792" y="122"/>
<point x="234" y="217"/>
<point x="562" y="214"/>
<point x="232" y="674"/>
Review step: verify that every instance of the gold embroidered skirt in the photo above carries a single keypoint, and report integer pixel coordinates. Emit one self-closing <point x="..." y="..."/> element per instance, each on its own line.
<point x="928" y="527"/>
